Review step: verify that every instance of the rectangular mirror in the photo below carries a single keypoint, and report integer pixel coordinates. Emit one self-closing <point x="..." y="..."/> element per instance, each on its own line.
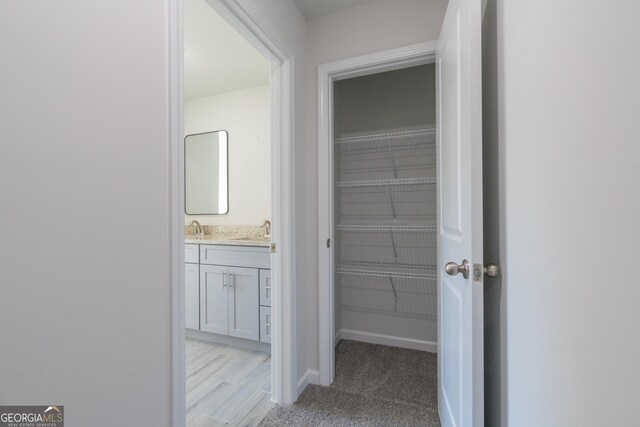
<point x="206" y="173"/>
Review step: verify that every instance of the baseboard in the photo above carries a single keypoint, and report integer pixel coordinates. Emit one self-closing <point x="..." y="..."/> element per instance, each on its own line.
<point x="232" y="341"/>
<point x="390" y="340"/>
<point x="309" y="377"/>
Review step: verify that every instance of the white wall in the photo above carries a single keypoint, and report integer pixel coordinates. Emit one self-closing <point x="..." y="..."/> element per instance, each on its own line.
<point x="284" y="22"/>
<point x="364" y="29"/>
<point x="564" y="110"/>
<point x="245" y="115"/>
<point x="84" y="253"/>
<point x="85" y="312"/>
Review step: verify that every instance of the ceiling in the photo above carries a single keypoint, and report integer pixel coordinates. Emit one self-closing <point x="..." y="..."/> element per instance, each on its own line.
<point x="216" y="57"/>
<point x="314" y="8"/>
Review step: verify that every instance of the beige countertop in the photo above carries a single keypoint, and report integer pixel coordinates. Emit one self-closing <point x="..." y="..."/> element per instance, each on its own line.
<point x="229" y="241"/>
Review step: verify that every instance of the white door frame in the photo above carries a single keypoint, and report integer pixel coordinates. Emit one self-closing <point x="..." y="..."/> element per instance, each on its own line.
<point x="245" y="17"/>
<point x="409" y="56"/>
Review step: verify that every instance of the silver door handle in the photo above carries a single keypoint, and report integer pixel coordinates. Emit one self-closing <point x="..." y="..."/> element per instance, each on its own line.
<point x="491" y="270"/>
<point x="452" y="268"/>
<point x="224" y="279"/>
<point x="232" y="280"/>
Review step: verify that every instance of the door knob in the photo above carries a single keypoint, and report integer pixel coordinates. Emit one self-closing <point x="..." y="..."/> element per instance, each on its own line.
<point x="492" y="270"/>
<point x="452" y="268"/>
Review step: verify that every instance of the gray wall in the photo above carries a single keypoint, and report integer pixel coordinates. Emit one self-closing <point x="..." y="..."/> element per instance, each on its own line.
<point x="84" y="255"/>
<point x="561" y="131"/>
<point x="385" y="101"/>
<point x="85" y="310"/>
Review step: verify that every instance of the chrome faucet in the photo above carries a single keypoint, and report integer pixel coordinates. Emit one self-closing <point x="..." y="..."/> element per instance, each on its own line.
<point x="199" y="231"/>
<point x="267" y="228"/>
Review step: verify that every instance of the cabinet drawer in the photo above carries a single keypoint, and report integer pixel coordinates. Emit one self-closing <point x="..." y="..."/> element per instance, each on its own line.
<point x="239" y="256"/>
<point x="192" y="253"/>
<point x="265" y="324"/>
<point x="265" y="287"/>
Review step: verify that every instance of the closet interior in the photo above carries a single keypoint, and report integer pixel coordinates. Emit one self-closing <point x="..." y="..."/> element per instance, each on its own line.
<point x="385" y="208"/>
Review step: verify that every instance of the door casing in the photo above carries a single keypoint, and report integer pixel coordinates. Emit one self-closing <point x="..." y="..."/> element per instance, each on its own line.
<point x="388" y="60"/>
<point x="246" y="18"/>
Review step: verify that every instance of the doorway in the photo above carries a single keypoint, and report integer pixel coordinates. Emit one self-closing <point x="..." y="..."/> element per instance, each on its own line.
<point x="460" y="266"/>
<point x="278" y="253"/>
<point x="381" y="173"/>
<point x="379" y="231"/>
<point x="228" y="207"/>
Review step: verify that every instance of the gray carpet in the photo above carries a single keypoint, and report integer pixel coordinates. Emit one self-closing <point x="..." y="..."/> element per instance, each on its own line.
<point x="375" y="385"/>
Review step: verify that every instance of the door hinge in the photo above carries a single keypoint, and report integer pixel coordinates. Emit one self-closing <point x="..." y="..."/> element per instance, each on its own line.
<point x="328" y="243"/>
<point x="273" y="248"/>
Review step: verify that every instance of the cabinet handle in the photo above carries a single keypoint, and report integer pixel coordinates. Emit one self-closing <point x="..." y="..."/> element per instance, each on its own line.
<point x="224" y="279"/>
<point x="232" y="280"/>
<point x="267" y="282"/>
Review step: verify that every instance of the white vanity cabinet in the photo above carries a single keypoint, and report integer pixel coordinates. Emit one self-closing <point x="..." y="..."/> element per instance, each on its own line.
<point x="192" y="287"/>
<point x="229" y="303"/>
<point x="243" y="303"/>
<point x="214" y="308"/>
<point x="234" y="290"/>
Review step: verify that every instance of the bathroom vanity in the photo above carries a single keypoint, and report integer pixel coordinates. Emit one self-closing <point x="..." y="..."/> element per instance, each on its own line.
<point x="228" y="288"/>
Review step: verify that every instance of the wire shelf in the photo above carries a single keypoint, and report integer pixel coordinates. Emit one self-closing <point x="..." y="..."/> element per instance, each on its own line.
<point x="405" y="271"/>
<point x="403" y="304"/>
<point x="386" y="182"/>
<point x="405" y="201"/>
<point x="386" y="243"/>
<point x="394" y="155"/>
<point x="398" y="228"/>
<point x="415" y="135"/>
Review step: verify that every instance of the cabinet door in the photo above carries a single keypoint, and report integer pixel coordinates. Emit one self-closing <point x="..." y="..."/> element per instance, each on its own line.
<point x="265" y="287"/>
<point x="192" y="296"/>
<point x="265" y="324"/>
<point x="244" y="303"/>
<point x="214" y="313"/>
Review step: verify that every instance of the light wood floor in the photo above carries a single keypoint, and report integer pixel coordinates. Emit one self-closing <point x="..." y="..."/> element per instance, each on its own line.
<point x="226" y="385"/>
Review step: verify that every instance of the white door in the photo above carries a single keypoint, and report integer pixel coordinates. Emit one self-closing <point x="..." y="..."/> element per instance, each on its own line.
<point x="460" y="353"/>
<point x="192" y="296"/>
<point x="244" y="306"/>
<point x="214" y="312"/>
